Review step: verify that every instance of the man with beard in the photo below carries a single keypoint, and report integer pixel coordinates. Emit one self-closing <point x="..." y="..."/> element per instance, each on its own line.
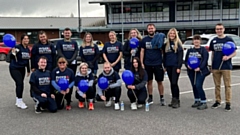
<point x="151" y="59"/>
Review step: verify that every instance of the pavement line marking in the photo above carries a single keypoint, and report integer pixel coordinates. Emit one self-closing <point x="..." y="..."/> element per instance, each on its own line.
<point x="205" y="89"/>
<point x="235" y="76"/>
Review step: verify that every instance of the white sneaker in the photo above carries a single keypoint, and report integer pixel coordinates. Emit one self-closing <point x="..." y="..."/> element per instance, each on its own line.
<point x="133" y="106"/>
<point x="116" y="106"/>
<point x="109" y="103"/>
<point x="21" y="104"/>
<point x="139" y="105"/>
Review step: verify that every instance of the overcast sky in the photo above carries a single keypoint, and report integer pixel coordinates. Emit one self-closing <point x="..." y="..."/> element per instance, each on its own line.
<point x="42" y="8"/>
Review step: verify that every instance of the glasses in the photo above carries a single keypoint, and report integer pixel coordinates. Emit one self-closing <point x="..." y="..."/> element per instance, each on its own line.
<point x="220" y="29"/>
<point x="61" y="62"/>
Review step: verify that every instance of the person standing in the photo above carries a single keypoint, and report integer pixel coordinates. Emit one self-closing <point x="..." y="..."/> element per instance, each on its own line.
<point x="68" y="49"/>
<point x="62" y="71"/>
<point x="224" y="70"/>
<point x="114" y="89"/>
<point x="112" y="52"/>
<point x="20" y="56"/>
<point x="128" y="52"/>
<point x="40" y="84"/>
<point x="85" y="74"/>
<point x="89" y="53"/>
<point x="173" y="59"/>
<point x="198" y="75"/>
<point x="151" y="59"/>
<point x="43" y="48"/>
<point x="137" y="92"/>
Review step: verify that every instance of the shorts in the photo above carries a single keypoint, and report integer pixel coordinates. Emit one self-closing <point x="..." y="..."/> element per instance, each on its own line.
<point x="157" y="71"/>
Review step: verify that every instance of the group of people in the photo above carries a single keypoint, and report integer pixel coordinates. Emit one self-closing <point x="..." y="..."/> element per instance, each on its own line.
<point x="155" y="55"/>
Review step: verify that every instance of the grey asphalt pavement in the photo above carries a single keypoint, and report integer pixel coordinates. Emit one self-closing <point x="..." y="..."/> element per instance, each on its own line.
<point x="160" y="120"/>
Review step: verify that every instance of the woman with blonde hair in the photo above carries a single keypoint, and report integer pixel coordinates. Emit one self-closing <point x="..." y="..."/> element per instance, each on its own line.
<point x="89" y="53"/>
<point x="62" y="71"/>
<point x="85" y="74"/>
<point x="173" y="60"/>
<point x="128" y="52"/>
<point x="112" y="51"/>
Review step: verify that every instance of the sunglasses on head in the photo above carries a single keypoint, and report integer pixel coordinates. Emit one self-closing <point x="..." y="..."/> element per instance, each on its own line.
<point x="61" y="62"/>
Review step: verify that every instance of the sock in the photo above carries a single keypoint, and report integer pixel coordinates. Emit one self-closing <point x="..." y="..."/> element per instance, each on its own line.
<point x="161" y="96"/>
<point x="151" y="96"/>
<point x="90" y="100"/>
<point x="18" y="99"/>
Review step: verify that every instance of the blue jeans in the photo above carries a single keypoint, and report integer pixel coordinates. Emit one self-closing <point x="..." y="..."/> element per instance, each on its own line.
<point x="198" y="92"/>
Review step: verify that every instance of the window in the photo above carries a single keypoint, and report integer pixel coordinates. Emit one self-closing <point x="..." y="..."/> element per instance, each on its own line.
<point x="1" y="36"/>
<point x="230" y="9"/>
<point x="153" y="7"/>
<point x="33" y="37"/>
<point x="183" y="12"/>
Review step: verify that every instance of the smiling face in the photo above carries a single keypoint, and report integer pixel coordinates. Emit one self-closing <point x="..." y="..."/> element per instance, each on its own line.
<point x="133" y="33"/>
<point x="88" y="38"/>
<point x="172" y="35"/>
<point x="84" y="69"/>
<point x="151" y="30"/>
<point x="62" y="63"/>
<point x="135" y="63"/>
<point x="43" y="38"/>
<point x="25" y="40"/>
<point x="67" y="34"/>
<point x="107" y="68"/>
<point x="219" y="29"/>
<point x="112" y="36"/>
<point x="42" y="63"/>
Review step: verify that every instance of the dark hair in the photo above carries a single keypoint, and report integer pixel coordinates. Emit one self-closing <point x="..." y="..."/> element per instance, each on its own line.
<point x="67" y="29"/>
<point x="42" y="57"/>
<point x="220" y="24"/>
<point x="41" y="33"/>
<point x="22" y="37"/>
<point x="198" y="37"/>
<point x="151" y="24"/>
<point x="140" y="69"/>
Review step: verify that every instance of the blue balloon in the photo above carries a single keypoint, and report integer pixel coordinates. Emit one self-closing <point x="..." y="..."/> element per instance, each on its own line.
<point x="228" y="48"/>
<point x="128" y="77"/>
<point x="134" y="42"/>
<point x="9" y="40"/>
<point x="103" y="83"/>
<point x="193" y="62"/>
<point x="83" y="86"/>
<point x="63" y="83"/>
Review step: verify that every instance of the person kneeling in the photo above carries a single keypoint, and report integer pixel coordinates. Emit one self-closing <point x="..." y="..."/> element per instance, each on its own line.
<point x="41" y="88"/>
<point x="85" y="74"/>
<point x="138" y="90"/>
<point x="114" y="89"/>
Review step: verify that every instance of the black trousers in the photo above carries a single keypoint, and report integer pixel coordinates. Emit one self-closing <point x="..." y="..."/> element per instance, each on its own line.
<point x="90" y="94"/>
<point x="115" y="92"/>
<point x="173" y="78"/>
<point x="18" y="76"/>
<point x="140" y="94"/>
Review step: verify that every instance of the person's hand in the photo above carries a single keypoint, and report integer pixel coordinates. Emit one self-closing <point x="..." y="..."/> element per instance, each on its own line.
<point x="197" y="69"/>
<point x="33" y="69"/>
<point x="13" y="50"/>
<point x="143" y="66"/>
<point x="225" y="58"/>
<point x="44" y="95"/>
<point x="63" y="92"/>
<point x="178" y="70"/>
<point x="131" y="87"/>
<point x="103" y="98"/>
<point x="84" y="96"/>
<point x="189" y="67"/>
<point x="67" y="91"/>
<point x="52" y="96"/>
<point x="28" y="74"/>
<point x="165" y="69"/>
<point x="132" y="51"/>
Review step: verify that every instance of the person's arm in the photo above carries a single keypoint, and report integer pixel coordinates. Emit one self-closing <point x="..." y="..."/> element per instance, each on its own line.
<point x="104" y="52"/>
<point x="97" y="54"/>
<point x="28" y="67"/>
<point x="59" y="49"/>
<point x="90" y="83"/>
<point x="33" y="55"/>
<point x="164" y="55"/>
<point x="180" y="58"/>
<point x="75" y="53"/>
<point x="118" y="82"/>
<point x="53" y="56"/>
<point x="72" y="80"/>
<point x="142" y="56"/>
<point x="126" y="52"/>
<point x="35" y="89"/>
<point x="54" y="84"/>
<point x="143" y="83"/>
<point x="80" y="93"/>
<point x="186" y="59"/>
<point x="204" y="60"/>
<point x="99" y="91"/>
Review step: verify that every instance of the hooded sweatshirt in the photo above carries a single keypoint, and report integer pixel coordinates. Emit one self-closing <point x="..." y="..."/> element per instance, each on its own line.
<point x="79" y="77"/>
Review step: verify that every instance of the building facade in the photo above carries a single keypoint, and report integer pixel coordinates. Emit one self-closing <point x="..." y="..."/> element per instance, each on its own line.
<point x="188" y="16"/>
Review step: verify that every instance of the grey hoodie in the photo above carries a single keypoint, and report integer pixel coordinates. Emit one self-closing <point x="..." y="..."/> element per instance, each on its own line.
<point x="90" y="83"/>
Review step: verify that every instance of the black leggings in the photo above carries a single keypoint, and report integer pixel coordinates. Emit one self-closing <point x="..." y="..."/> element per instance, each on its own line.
<point x="173" y="78"/>
<point x="140" y="94"/>
<point x="115" y="92"/>
<point x="18" y="76"/>
<point x="90" y="94"/>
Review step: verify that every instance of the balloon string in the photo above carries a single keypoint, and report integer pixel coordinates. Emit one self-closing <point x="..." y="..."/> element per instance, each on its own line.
<point x="135" y="95"/>
<point x="220" y="65"/>
<point x="105" y="97"/>
<point x="86" y="102"/>
<point x="16" y="58"/>
<point x="195" y="78"/>
<point x="62" y="99"/>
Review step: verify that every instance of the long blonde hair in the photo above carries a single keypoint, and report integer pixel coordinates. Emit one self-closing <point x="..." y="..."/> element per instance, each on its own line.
<point x="114" y="33"/>
<point x="177" y="41"/>
<point x="139" y="36"/>
<point x="84" y="40"/>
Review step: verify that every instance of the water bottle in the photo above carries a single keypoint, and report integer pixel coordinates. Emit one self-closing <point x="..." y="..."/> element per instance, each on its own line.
<point x="122" y="106"/>
<point x="147" y="107"/>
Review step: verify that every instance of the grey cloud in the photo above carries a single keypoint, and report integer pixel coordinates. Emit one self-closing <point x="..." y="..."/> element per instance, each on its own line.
<point x="42" y="8"/>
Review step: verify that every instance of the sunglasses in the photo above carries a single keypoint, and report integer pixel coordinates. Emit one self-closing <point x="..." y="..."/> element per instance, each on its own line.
<point x="61" y="62"/>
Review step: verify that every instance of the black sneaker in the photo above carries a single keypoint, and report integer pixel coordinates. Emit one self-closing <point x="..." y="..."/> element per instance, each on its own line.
<point x="196" y="104"/>
<point x="150" y="101"/>
<point x="228" y="108"/>
<point x="38" y="110"/>
<point x="216" y="105"/>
